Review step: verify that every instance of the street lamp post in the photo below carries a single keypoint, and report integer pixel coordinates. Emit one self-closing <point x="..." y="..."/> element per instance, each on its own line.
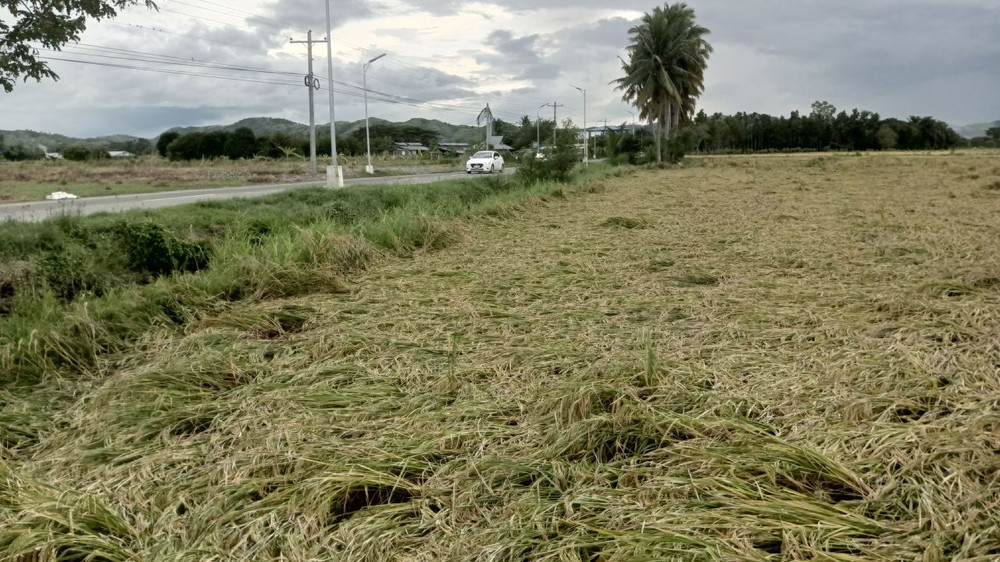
<point x="538" y="127"/>
<point x="334" y="176"/>
<point x="586" y="142"/>
<point x="368" y="139"/>
<point x="633" y="122"/>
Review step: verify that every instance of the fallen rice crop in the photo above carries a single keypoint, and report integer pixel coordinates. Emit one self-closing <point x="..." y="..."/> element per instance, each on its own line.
<point x="788" y="361"/>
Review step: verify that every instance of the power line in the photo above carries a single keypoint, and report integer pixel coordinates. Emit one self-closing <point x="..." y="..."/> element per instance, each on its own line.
<point x="282" y="26"/>
<point x="172" y="71"/>
<point x="177" y="61"/>
<point x="379" y="96"/>
<point x="154" y="58"/>
<point x="276" y="24"/>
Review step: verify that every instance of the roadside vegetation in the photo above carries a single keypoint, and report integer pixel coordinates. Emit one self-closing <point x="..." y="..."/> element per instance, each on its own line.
<point x="786" y="357"/>
<point x="33" y="180"/>
<point x="121" y="271"/>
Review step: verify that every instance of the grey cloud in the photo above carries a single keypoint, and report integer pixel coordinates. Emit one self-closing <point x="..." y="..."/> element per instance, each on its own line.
<point x="311" y="14"/>
<point x="524" y="6"/>
<point x="517" y="56"/>
<point x="861" y="53"/>
<point x="897" y="57"/>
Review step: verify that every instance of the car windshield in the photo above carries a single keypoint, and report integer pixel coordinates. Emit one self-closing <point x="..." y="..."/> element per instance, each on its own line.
<point x="483" y="155"/>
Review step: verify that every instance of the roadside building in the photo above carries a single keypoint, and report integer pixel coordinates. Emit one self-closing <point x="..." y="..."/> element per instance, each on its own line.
<point x="408" y="149"/>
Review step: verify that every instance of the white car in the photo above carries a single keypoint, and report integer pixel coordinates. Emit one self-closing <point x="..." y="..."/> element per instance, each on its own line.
<point x="484" y="162"/>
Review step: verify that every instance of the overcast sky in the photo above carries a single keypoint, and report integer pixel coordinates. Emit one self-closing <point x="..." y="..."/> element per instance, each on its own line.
<point x="447" y="58"/>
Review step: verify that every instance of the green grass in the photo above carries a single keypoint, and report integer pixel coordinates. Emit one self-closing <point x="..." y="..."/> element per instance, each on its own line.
<point x="32" y="181"/>
<point x="29" y="191"/>
<point x="294" y="243"/>
<point x="722" y="384"/>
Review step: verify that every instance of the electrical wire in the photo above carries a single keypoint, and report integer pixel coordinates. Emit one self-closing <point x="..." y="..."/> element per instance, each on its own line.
<point x="102" y="52"/>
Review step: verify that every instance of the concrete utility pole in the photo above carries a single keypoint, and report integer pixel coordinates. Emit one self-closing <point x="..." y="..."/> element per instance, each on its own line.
<point x="586" y="141"/>
<point x="538" y="127"/>
<point x="368" y="139"/>
<point x="312" y="83"/>
<point x="334" y="175"/>
<point x="555" y="123"/>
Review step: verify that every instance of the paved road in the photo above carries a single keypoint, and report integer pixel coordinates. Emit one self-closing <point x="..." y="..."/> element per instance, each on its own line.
<point x="41" y="210"/>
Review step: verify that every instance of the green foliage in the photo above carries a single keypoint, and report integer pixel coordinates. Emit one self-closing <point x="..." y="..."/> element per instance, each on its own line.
<point x="139" y="147"/>
<point x="823" y="129"/>
<point x="678" y="146"/>
<point x="77" y="153"/>
<point x="163" y="143"/>
<point x="383" y="135"/>
<point x="51" y="24"/>
<point x="197" y="146"/>
<point x="72" y="270"/>
<point x="886" y="137"/>
<point x="152" y="250"/>
<point x="665" y="71"/>
<point x="19" y="152"/>
<point x="242" y="143"/>
<point x="557" y="166"/>
<point x="79" y="286"/>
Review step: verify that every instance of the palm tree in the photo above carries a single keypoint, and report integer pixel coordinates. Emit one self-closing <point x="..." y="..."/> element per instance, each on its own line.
<point x="665" y="70"/>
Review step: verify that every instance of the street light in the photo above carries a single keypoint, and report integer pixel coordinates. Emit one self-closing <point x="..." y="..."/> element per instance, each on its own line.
<point x="368" y="139"/>
<point x="538" y="127"/>
<point x="334" y="176"/>
<point x="586" y="143"/>
<point x="633" y="122"/>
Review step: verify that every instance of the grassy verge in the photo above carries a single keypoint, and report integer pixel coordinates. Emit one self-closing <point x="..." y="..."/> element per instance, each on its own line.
<point x="740" y="359"/>
<point x="32" y="181"/>
<point x="75" y="288"/>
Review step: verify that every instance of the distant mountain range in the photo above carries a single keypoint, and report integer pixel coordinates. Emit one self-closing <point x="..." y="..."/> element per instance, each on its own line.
<point x="977" y="130"/>
<point x="54" y="142"/>
<point x="259" y="125"/>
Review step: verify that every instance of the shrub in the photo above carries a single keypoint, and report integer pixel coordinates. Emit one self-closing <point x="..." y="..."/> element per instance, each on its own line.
<point x="557" y="167"/>
<point x="77" y="153"/>
<point x="152" y="250"/>
<point x="70" y="271"/>
<point x="164" y="141"/>
<point x="19" y="152"/>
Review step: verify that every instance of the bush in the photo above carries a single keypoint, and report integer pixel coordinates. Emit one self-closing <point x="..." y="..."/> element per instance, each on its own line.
<point x="17" y="153"/>
<point x="623" y="159"/>
<point x="164" y="141"/>
<point x="556" y="167"/>
<point x="154" y="251"/>
<point x="77" y="153"/>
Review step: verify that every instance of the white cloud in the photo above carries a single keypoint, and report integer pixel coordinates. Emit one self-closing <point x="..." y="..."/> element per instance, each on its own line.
<point x="897" y="57"/>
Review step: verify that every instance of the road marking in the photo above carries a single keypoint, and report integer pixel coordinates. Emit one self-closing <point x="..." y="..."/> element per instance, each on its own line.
<point x="176" y="198"/>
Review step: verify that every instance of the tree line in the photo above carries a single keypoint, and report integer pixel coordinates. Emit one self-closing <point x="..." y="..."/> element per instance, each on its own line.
<point x="822" y="129"/>
<point x="244" y="143"/>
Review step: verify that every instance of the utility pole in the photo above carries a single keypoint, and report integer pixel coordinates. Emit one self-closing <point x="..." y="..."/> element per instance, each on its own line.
<point x="538" y="127"/>
<point x="555" y="123"/>
<point x="334" y="176"/>
<point x="312" y="83"/>
<point x="368" y="138"/>
<point x="586" y="133"/>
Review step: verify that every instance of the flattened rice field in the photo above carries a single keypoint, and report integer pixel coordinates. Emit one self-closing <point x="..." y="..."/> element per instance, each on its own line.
<point x="744" y="358"/>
